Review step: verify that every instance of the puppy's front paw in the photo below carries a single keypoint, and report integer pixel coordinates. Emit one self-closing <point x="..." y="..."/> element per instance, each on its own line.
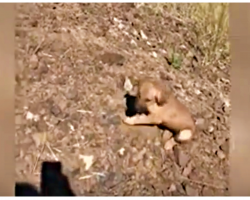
<point x="129" y="120"/>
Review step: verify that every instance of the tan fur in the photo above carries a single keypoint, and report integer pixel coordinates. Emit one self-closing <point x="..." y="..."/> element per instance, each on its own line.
<point x="164" y="109"/>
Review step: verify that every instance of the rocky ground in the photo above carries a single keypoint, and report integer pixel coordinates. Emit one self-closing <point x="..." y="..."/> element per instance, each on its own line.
<point x="72" y="60"/>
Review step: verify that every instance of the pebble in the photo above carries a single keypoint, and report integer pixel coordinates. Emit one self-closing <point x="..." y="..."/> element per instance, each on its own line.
<point x="225" y="146"/>
<point x="143" y="35"/>
<point x="72" y="94"/>
<point x="55" y="110"/>
<point x="221" y="154"/>
<point x="34" y="61"/>
<point x="210" y="129"/>
<point x="200" y="123"/>
<point x="181" y="157"/>
<point x="172" y="188"/>
<point x="207" y="191"/>
<point x="191" y="191"/>
<point x="170" y="144"/>
<point x="187" y="170"/>
<point x="166" y="135"/>
<point x="112" y="59"/>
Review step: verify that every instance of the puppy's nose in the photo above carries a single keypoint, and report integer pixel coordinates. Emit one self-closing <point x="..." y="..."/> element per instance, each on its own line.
<point x="140" y="108"/>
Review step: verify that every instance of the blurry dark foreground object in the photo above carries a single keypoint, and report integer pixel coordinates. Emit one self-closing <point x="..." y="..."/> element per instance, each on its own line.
<point x="53" y="183"/>
<point x="25" y="189"/>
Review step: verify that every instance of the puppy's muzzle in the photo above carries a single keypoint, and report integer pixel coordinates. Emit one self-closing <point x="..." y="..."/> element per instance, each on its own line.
<point x="140" y="106"/>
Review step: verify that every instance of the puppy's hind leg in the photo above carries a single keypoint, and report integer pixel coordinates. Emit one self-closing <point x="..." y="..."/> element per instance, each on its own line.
<point x="142" y="119"/>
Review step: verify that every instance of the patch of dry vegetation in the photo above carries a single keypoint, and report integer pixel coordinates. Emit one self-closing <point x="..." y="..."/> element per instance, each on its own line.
<point x="208" y="21"/>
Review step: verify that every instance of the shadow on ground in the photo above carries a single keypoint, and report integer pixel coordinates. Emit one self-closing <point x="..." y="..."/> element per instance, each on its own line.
<point x="53" y="183"/>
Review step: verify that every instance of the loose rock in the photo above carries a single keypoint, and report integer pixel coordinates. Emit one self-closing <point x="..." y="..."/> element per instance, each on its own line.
<point x="221" y="154"/>
<point x="191" y="191"/>
<point x="181" y="157"/>
<point x="170" y="144"/>
<point x="225" y="146"/>
<point x="206" y="191"/>
<point x="166" y="136"/>
<point x="55" y="110"/>
<point x="112" y="59"/>
<point x="187" y="170"/>
<point x="72" y="94"/>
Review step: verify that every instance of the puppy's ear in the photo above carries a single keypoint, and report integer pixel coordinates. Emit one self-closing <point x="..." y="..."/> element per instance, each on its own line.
<point x="160" y="98"/>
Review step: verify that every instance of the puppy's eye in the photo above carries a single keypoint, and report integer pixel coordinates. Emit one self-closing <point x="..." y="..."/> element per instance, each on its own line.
<point x="147" y="100"/>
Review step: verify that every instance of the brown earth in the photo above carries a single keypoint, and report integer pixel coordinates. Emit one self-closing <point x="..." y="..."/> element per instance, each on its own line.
<point x="72" y="60"/>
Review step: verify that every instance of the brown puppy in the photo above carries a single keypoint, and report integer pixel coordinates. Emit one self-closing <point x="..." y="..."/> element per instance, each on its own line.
<point x="162" y="108"/>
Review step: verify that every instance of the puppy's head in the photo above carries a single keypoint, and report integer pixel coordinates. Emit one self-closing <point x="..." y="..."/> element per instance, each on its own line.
<point x="150" y="93"/>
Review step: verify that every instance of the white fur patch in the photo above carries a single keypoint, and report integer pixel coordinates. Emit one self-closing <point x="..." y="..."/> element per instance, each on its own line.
<point x="185" y="135"/>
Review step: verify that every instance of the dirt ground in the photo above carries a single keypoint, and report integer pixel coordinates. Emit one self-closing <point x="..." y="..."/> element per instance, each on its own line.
<point x="72" y="60"/>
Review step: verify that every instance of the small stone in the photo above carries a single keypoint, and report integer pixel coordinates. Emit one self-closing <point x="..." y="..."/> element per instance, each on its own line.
<point x="210" y="129"/>
<point x="140" y="155"/>
<point x="121" y="151"/>
<point x="42" y="126"/>
<point x="191" y="191"/>
<point x="180" y="189"/>
<point x="149" y="165"/>
<point x="34" y="61"/>
<point x="157" y="142"/>
<point x="43" y="68"/>
<point x="206" y="191"/>
<point x="116" y="120"/>
<point x="127" y="85"/>
<point x="172" y="188"/>
<point x="200" y="123"/>
<point x="221" y="154"/>
<point x="63" y="104"/>
<point x="54" y="120"/>
<point x="42" y="111"/>
<point x="187" y="170"/>
<point x="143" y="35"/>
<point x="39" y="138"/>
<point x="72" y="94"/>
<point x="170" y="144"/>
<point x="34" y="76"/>
<point x="55" y="110"/>
<point x="112" y="59"/>
<point x="181" y="157"/>
<point x="225" y="146"/>
<point x="132" y="42"/>
<point x="154" y="54"/>
<point x="194" y="175"/>
<point x="166" y="136"/>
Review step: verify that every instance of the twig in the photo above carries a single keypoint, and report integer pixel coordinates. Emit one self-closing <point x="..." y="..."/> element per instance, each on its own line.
<point x="38" y="157"/>
<point x="61" y="57"/>
<point x="38" y="47"/>
<point x="53" y="154"/>
<point x="203" y="183"/>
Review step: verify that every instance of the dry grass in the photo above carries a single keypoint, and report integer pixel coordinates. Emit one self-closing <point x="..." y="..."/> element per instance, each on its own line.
<point x="209" y="22"/>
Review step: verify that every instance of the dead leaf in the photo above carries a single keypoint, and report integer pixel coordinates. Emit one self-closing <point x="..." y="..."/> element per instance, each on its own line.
<point x="39" y="138"/>
<point x="88" y="160"/>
